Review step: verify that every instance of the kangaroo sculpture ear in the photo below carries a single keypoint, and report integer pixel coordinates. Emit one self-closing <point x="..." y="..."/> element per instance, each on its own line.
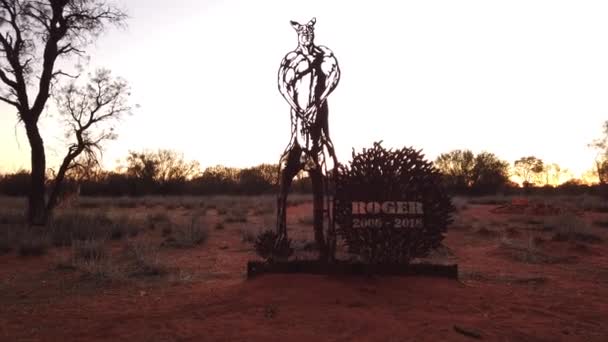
<point x="295" y="25"/>
<point x="312" y="22"/>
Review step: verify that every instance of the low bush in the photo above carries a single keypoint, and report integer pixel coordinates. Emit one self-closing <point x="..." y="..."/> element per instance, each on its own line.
<point x="271" y="247"/>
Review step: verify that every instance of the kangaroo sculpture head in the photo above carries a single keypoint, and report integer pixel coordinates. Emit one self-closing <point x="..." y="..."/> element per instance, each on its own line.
<point x="306" y="33"/>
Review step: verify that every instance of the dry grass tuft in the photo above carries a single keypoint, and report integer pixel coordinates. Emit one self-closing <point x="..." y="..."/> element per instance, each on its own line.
<point x="188" y="236"/>
<point x="143" y="259"/>
<point x="89" y="250"/>
<point x="159" y="219"/>
<point x="7" y="239"/>
<point x="569" y="227"/>
<point x="237" y="215"/>
<point x="32" y="242"/>
<point x="601" y="223"/>
<point x="12" y="216"/>
<point x="71" y="226"/>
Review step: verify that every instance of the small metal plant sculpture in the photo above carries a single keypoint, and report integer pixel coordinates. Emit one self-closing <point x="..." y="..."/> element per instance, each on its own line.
<point x="307" y="76"/>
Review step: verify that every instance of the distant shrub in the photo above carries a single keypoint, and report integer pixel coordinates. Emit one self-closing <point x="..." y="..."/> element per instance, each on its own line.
<point x="490" y="200"/>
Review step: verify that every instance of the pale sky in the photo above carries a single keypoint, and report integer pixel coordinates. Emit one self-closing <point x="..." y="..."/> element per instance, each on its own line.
<point x="515" y="78"/>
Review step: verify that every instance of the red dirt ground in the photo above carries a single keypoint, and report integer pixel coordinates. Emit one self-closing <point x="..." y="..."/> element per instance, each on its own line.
<point x="500" y="296"/>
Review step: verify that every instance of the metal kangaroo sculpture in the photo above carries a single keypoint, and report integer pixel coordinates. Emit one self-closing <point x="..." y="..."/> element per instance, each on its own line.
<point x="307" y="76"/>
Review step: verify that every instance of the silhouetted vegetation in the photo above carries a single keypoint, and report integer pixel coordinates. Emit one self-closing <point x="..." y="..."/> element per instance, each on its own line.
<point x="164" y="173"/>
<point x="466" y="173"/>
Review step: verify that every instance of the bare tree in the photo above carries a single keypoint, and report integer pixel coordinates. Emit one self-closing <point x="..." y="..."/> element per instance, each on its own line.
<point x="34" y="36"/>
<point x="89" y="113"/>
<point x="172" y="167"/>
<point x="163" y="166"/>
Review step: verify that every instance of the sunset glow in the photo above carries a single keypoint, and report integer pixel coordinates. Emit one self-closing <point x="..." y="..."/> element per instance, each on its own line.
<point x="515" y="79"/>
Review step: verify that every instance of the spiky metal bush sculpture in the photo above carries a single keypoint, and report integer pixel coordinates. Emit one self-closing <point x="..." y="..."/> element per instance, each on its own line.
<point x="378" y="174"/>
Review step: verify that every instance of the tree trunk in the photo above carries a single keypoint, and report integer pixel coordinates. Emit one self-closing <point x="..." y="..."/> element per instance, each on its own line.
<point x="59" y="179"/>
<point x="36" y="214"/>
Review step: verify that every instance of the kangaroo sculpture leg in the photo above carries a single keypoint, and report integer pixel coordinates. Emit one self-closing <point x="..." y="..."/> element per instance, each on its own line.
<point x="289" y="166"/>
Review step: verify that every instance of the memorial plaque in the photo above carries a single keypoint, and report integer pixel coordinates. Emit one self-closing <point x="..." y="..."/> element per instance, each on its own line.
<point x="390" y="206"/>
